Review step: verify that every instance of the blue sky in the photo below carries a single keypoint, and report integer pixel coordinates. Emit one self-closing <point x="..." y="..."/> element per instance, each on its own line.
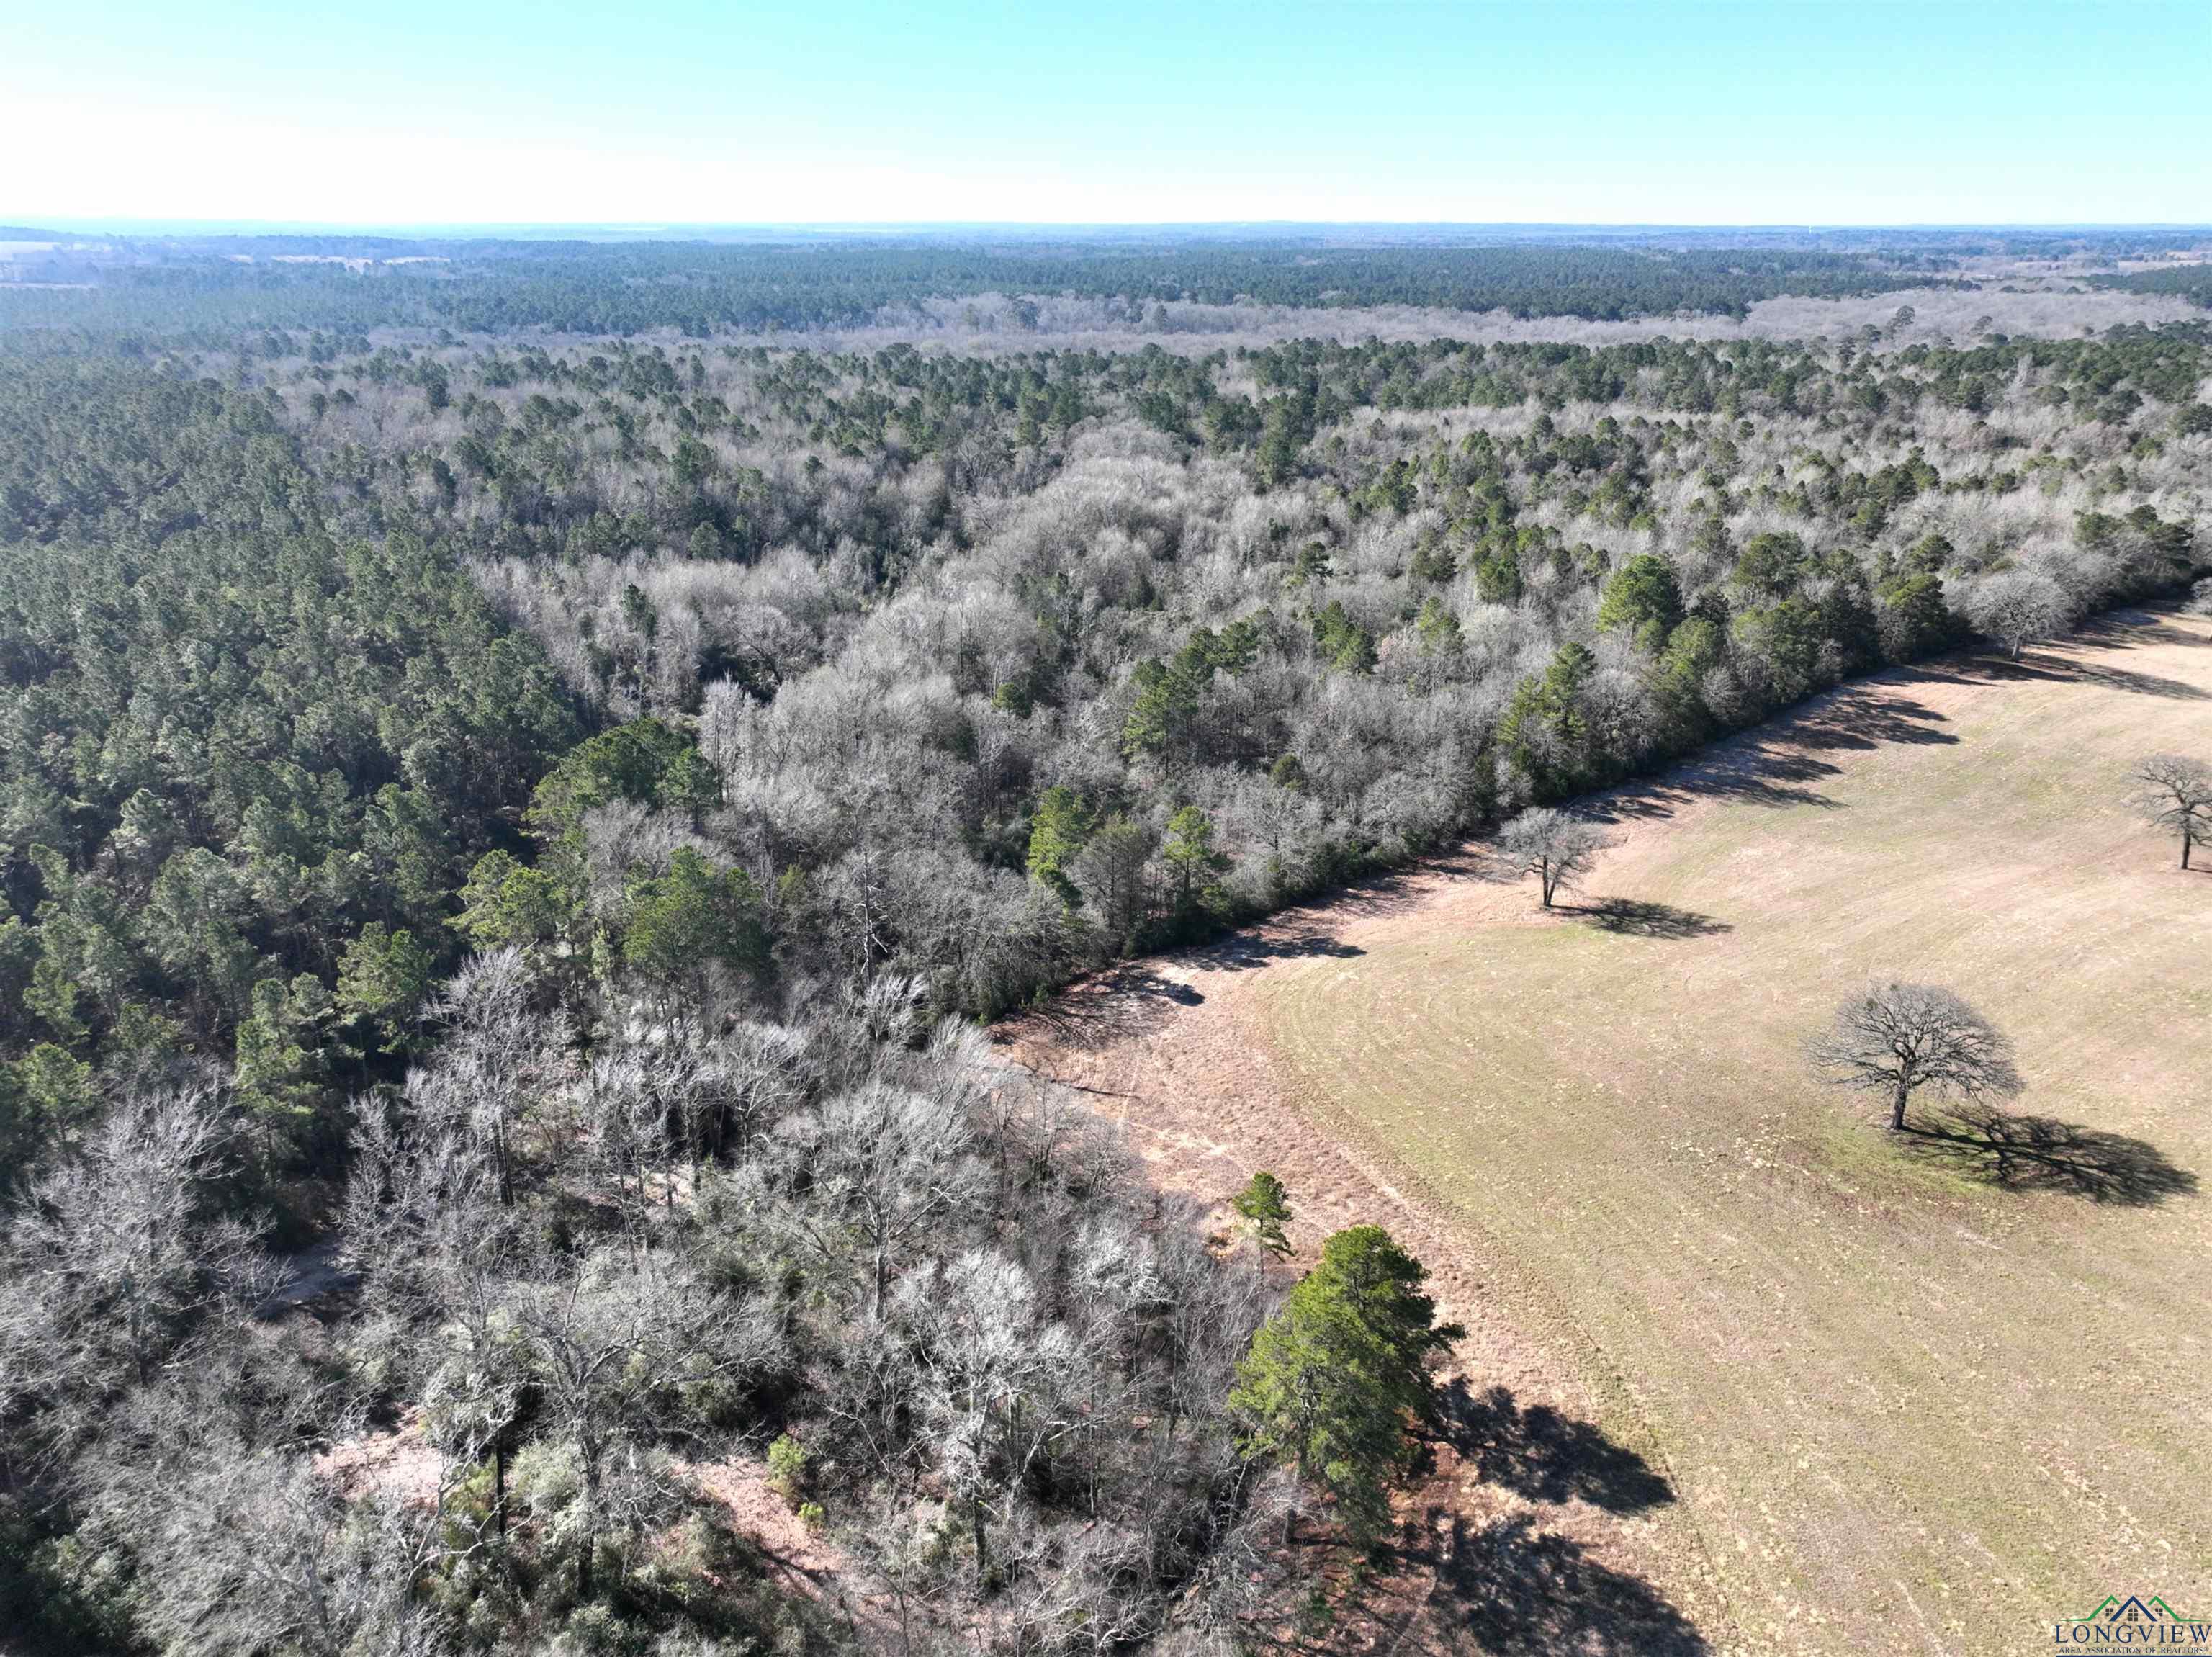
<point x="1840" y="112"/>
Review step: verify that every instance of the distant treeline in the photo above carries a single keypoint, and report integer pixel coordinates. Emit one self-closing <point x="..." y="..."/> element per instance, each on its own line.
<point x="2192" y="282"/>
<point x="699" y="288"/>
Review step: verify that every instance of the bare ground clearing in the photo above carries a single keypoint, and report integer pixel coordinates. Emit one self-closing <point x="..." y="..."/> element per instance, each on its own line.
<point x="1811" y="1387"/>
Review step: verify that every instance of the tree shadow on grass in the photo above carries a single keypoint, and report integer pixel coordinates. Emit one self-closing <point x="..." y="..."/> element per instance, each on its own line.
<point x="1126" y="1001"/>
<point x="1856" y="716"/>
<point x="2084" y="657"/>
<point x="1538" y="1453"/>
<point x="1634" y="917"/>
<point x="2121" y="679"/>
<point x="2122" y="629"/>
<point x="1514" y="1589"/>
<point x="1136" y="998"/>
<point x="1759" y="767"/>
<point x="1246" y="950"/>
<point x="2037" y="1152"/>
<point x="2040" y="666"/>
<point x="1778" y="762"/>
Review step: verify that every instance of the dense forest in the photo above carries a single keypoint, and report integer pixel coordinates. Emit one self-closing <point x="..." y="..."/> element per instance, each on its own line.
<point x="2192" y="282"/>
<point x="210" y="286"/>
<point x="630" y="288"/>
<point x="508" y="844"/>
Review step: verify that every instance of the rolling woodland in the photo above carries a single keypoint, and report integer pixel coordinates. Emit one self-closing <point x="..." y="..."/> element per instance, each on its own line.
<point x="512" y="842"/>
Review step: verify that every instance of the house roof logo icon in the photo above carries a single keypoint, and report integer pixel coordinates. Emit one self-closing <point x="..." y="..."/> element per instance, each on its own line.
<point x="2133" y="1609"/>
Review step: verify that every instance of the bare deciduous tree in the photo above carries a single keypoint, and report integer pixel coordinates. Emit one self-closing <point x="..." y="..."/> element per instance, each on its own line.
<point x="883" y="1164"/>
<point x="1898" y="1038"/>
<point x="2174" y="792"/>
<point x="1556" y="848"/>
<point x="621" y="1355"/>
<point x="240" y="1552"/>
<point x="2017" y="607"/>
<point x="994" y="1374"/>
<point x="117" y="1254"/>
<point x="500" y="1052"/>
<point x="760" y="1074"/>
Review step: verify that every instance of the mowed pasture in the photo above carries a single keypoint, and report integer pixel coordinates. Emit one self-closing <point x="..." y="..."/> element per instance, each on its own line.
<point x="1905" y="1395"/>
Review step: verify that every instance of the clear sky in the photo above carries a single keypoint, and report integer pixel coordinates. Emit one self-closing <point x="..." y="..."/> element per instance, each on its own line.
<point x="399" y="111"/>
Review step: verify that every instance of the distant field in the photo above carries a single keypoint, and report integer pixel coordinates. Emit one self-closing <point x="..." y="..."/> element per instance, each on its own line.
<point x="1901" y="1407"/>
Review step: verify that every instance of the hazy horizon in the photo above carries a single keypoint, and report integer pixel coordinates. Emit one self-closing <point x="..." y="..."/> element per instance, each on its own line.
<point x="708" y="228"/>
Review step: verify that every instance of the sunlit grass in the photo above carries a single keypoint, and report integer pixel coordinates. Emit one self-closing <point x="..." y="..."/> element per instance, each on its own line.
<point x="1888" y="1388"/>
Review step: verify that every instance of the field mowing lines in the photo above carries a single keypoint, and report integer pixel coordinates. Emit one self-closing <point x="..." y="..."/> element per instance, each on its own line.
<point x="1896" y="1375"/>
<point x="1898" y="1404"/>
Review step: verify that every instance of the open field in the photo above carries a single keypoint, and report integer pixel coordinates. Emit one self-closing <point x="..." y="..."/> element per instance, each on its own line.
<point x="1818" y="1388"/>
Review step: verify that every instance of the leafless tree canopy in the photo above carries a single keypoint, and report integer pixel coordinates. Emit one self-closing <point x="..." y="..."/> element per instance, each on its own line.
<point x="1899" y="1038"/>
<point x="1556" y="847"/>
<point x="2018" y="607"/>
<point x="2173" y="792"/>
<point x="577" y="1282"/>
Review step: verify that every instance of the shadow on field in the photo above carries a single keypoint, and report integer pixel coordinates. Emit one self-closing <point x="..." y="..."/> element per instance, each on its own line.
<point x="1514" y="1589"/>
<point x="1635" y="917"/>
<point x="2036" y="666"/>
<point x="2120" y="679"/>
<point x="1850" y="719"/>
<point x="2124" y="628"/>
<point x="1132" y="1000"/>
<point x="1777" y="764"/>
<point x="1249" y="949"/>
<point x="2036" y="1153"/>
<point x="1129" y="1001"/>
<point x="1538" y="1453"/>
<point x="2109" y="634"/>
<point x="1760" y="767"/>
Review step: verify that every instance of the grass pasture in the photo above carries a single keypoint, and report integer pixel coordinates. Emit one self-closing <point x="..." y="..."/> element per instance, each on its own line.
<point x="1906" y="1395"/>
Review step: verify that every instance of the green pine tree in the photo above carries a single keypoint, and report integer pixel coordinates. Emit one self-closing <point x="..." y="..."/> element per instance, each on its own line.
<point x="1265" y="1206"/>
<point x="1337" y="1380"/>
<point x="1190" y="856"/>
<point x="1058" y="831"/>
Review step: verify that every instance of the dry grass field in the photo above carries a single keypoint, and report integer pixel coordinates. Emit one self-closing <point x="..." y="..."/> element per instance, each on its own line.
<point x="1802" y="1385"/>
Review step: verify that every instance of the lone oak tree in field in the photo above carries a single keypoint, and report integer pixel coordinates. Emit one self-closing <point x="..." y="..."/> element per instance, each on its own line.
<point x="2174" y="793"/>
<point x="1338" y="1377"/>
<point x="1900" y="1037"/>
<point x="1559" y="850"/>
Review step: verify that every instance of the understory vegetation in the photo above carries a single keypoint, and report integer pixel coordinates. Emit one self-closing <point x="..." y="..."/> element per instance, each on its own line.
<point x="507" y="843"/>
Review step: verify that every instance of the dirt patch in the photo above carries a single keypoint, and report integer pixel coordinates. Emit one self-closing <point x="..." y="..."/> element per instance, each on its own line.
<point x="399" y="1464"/>
<point x="805" y="1558"/>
